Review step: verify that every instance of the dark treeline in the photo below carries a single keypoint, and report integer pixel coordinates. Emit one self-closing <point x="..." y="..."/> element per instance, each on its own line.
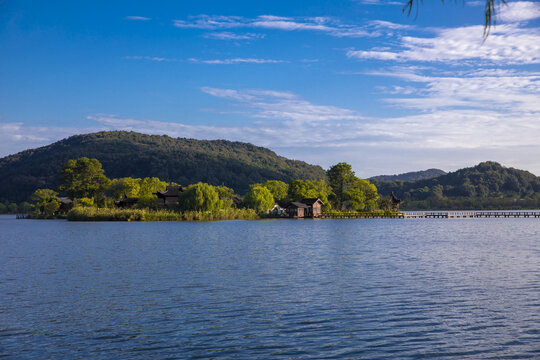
<point x="485" y="186"/>
<point x="410" y="176"/>
<point x="236" y="165"/>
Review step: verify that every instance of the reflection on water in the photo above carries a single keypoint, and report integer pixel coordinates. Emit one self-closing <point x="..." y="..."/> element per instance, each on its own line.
<point x="460" y="289"/>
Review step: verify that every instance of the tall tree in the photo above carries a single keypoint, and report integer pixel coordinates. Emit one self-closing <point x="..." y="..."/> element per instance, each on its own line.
<point x="361" y="195"/>
<point x="278" y="189"/>
<point x="124" y="186"/>
<point x="45" y="202"/>
<point x="340" y="177"/>
<point x="83" y="177"/>
<point x="259" y="198"/>
<point x="303" y="189"/>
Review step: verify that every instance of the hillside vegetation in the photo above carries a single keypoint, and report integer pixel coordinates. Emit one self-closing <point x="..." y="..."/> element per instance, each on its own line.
<point x="129" y="154"/>
<point x="409" y="176"/>
<point x="487" y="185"/>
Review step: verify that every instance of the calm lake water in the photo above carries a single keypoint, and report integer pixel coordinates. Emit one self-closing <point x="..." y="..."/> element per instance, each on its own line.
<point x="354" y="289"/>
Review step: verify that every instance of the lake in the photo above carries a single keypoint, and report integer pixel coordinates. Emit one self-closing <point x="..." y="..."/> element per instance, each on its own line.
<point x="354" y="289"/>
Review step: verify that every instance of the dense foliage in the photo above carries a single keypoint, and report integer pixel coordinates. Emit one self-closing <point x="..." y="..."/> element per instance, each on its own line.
<point x="259" y="198"/>
<point x="45" y="202"/>
<point x="485" y="186"/>
<point x="350" y="192"/>
<point x="83" y="177"/>
<point x="410" y="176"/>
<point x="128" y="154"/>
<point x="305" y="189"/>
<point x="91" y="196"/>
<point x="201" y="197"/>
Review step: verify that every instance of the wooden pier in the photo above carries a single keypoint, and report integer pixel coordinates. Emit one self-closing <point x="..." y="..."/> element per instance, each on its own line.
<point x="432" y="215"/>
<point x="470" y="214"/>
<point x="360" y="215"/>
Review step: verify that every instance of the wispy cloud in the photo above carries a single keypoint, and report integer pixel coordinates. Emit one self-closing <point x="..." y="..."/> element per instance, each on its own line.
<point x="137" y="18"/>
<point x="17" y="136"/>
<point x="149" y="58"/>
<point x="379" y="2"/>
<point x="237" y="61"/>
<point x="326" y="25"/>
<point x="507" y="44"/>
<point x="519" y="11"/>
<point x="281" y="105"/>
<point x="227" y="35"/>
<point x="508" y="92"/>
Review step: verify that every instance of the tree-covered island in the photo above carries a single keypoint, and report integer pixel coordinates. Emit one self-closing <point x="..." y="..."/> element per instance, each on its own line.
<point x="84" y="192"/>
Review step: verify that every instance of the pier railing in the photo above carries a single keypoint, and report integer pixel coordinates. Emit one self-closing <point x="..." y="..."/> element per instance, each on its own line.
<point x="470" y="214"/>
<point x="431" y="215"/>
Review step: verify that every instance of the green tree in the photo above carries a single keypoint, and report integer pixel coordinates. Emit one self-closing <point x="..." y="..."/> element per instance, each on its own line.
<point x="278" y="189"/>
<point x="200" y="197"/>
<point x="25" y="207"/>
<point x="303" y="189"/>
<point x="83" y="177"/>
<point x="51" y="207"/>
<point x="12" y="208"/>
<point x="437" y="191"/>
<point x="124" y="186"/>
<point x="45" y="201"/>
<point x="3" y="209"/>
<point x="226" y="196"/>
<point x="259" y="198"/>
<point x="85" y="202"/>
<point x="151" y="185"/>
<point x="340" y="177"/>
<point x="361" y="195"/>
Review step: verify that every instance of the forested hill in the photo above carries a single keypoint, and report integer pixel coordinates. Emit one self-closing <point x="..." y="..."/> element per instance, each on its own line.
<point x="486" y="185"/>
<point x="409" y="176"/>
<point x="184" y="161"/>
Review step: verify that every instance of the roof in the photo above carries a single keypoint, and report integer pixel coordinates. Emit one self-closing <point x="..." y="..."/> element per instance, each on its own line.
<point x="126" y="200"/>
<point x="395" y="200"/>
<point x="172" y="190"/>
<point x="65" y="200"/>
<point x="311" y="201"/>
<point x="297" y="205"/>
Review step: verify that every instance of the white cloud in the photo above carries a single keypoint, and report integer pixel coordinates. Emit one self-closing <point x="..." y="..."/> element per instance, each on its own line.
<point x="227" y="35"/>
<point x="476" y="3"/>
<point x="149" y="58"/>
<point x="326" y="25"/>
<point x="506" y="91"/>
<point x="389" y="25"/>
<point x="283" y="106"/>
<point x="227" y="94"/>
<point x="379" y="2"/>
<point x="507" y="44"/>
<point x="17" y="136"/>
<point x="237" y="61"/>
<point x="518" y="11"/>
<point x="138" y="18"/>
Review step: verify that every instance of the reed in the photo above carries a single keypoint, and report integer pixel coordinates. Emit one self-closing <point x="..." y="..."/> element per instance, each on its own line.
<point x="79" y="213"/>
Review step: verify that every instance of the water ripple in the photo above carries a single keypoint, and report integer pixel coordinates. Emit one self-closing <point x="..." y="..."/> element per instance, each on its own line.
<point x="381" y="289"/>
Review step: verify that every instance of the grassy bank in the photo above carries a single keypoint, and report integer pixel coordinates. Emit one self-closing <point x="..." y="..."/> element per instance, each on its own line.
<point x="107" y="214"/>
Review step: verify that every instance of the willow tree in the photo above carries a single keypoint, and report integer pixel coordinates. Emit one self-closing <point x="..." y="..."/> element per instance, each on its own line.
<point x="259" y="198"/>
<point x="490" y="11"/>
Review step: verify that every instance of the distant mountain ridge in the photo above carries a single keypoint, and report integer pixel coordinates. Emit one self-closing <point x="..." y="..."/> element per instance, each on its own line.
<point x="481" y="184"/>
<point x="123" y="154"/>
<point x="410" y="176"/>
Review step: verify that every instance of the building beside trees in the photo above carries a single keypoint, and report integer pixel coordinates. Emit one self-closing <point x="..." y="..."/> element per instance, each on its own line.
<point x="306" y="208"/>
<point x="84" y="182"/>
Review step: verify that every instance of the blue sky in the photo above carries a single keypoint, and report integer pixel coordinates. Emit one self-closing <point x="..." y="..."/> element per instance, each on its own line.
<point x="320" y="81"/>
